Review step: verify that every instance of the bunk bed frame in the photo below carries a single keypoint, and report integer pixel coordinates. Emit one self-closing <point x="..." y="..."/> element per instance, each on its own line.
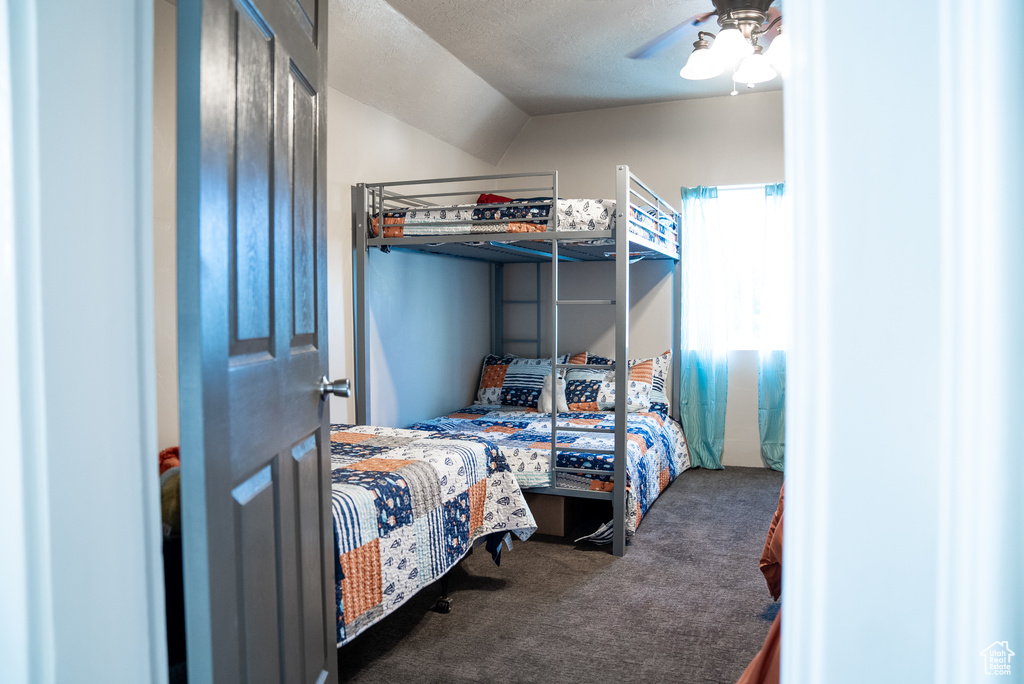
<point x="374" y="199"/>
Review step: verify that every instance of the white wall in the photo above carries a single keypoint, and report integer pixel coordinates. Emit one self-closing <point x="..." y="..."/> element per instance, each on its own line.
<point x="380" y="58"/>
<point x="418" y="368"/>
<point x="742" y="431"/>
<point x="165" y="262"/>
<point x="668" y="145"/>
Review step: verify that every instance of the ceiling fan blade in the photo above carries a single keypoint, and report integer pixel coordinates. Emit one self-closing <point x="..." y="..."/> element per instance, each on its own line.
<point x="670" y="37"/>
<point x="773" y="14"/>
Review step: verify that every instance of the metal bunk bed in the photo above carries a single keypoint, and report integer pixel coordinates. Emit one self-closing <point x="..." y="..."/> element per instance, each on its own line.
<point x="552" y="245"/>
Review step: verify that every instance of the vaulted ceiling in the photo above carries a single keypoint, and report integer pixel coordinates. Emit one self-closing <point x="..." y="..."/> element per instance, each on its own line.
<point x="472" y="72"/>
<point x="555" y="56"/>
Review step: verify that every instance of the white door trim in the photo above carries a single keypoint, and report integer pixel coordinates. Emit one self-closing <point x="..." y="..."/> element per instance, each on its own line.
<point x="79" y="500"/>
<point x="26" y="580"/>
<point x="980" y="596"/>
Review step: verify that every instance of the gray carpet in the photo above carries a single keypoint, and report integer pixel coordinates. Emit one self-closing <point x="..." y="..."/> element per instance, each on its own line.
<point x="686" y="604"/>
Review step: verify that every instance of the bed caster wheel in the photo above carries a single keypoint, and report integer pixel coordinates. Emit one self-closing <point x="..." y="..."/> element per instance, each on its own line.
<point x="443" y="605"/>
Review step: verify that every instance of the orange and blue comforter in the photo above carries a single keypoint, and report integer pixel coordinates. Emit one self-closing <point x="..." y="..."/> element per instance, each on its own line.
<point x="655" y="449"/>
<point x="407" y="506"/>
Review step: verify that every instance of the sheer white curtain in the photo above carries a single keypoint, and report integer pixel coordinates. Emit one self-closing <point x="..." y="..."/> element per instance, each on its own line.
<point x="736" y="295"/>
<point x="777" y="269"/>
<point x="703" y="360"/>
<point x="775" y="312"/>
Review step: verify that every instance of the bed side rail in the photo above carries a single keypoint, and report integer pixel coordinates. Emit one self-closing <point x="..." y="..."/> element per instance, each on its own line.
<point x="641" y="199"/>
<point x="444" y="194"/>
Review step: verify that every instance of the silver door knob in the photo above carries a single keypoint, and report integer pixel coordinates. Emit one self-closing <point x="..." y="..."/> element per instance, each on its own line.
<point x="339" y="388"/>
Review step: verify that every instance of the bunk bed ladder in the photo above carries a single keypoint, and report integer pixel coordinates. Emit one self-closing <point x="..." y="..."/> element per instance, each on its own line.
<point x="498" y="339"/>
<point x="619" y="513"/>
<point x="621" y="304"/>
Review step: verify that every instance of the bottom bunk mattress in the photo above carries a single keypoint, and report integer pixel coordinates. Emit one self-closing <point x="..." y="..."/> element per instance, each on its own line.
<point x="655" y="453"/>
<point x="407" y="506"/>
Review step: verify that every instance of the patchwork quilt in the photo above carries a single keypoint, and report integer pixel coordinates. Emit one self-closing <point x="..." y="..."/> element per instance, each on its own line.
<point x="655" y="455"/>
<point x="523" y="216"/>
<point x="407" y="506"/>
<point x="527" y="216"/>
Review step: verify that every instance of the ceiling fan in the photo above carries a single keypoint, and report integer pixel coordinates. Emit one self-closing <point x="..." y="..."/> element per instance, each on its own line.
<point x="743" y="24"/>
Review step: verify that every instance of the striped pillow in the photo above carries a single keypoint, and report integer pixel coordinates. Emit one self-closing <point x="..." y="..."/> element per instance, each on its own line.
<point x="512" y="381"/>
<point x="662" y="368"/>
<point x="523" y="382"/>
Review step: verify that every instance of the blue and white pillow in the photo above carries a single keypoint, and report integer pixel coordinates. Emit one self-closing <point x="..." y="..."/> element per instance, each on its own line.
<point x="638" y="387"/>
<point x="594" y="390"/>
<point x="512" y="381"/>
<point x="524" y="381"/>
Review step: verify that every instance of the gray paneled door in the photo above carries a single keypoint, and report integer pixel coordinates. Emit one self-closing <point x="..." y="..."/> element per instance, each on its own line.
<point x="258" y="543"/>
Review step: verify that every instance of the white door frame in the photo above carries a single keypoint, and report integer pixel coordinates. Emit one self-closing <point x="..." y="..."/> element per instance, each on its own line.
<point x="906" y="382"/>
<point x="81" y="582"/>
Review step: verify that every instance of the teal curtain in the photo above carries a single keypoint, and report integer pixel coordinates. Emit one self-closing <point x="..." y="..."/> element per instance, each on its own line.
<point x="774" y="300"/>
<point x="771" y="408"/>
<point x="704" y="370"/>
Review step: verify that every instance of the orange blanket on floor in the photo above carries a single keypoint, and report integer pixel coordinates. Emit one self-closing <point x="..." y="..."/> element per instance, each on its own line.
<point x="764" y="668"/>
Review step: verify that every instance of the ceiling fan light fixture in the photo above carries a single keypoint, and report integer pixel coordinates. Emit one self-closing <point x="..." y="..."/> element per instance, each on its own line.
<point x="701" y="64"/>
<point x="778" y="54"/>
<point x="730" y="46"/>
<point x="755" y="69"/>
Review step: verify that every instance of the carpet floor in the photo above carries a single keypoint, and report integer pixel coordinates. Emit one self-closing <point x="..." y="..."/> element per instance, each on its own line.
<point x="686" y="603"/>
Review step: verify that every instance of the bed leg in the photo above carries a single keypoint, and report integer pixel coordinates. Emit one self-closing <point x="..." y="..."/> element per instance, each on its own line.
<point x="444" y="603"/>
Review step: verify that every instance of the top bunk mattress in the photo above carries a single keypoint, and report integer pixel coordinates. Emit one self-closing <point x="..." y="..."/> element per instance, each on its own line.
<point x="523" y="216"/>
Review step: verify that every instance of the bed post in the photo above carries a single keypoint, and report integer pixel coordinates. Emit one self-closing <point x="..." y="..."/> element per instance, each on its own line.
<point x="361" y="335"/>
<point x="552" y="226"/>
<point x="677" y="317"/>
<point x="498" y="308"/>
<point x="621" y="356"/>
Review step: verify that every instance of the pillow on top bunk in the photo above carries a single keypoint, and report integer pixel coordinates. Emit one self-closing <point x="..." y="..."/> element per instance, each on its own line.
<point x="513" y="381"/>
<point x="586" y="214"/>
<point x="487" y="198"/>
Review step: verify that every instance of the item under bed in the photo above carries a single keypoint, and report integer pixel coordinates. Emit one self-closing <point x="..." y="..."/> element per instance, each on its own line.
<point x="522" y="216"/>
<point x="656" y="449"/>
<point x="407" y="506"/>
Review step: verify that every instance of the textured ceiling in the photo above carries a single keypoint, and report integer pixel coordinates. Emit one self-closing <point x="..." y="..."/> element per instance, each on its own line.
<point x="378" y="57"/>
<point x="555" y="56"/>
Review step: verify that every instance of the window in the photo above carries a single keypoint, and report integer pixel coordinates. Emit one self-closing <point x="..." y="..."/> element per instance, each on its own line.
<point x="742" y="270"/>
<point x="741" y="212"/>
